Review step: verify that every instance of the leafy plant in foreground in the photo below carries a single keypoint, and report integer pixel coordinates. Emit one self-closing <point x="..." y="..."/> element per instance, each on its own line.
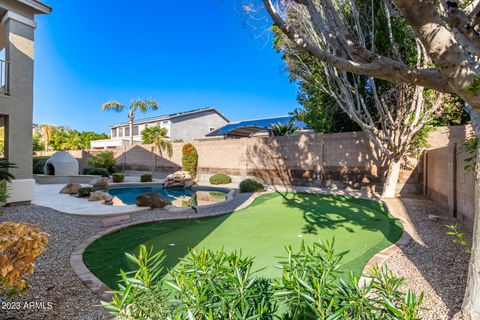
<point x="458" y="237"/>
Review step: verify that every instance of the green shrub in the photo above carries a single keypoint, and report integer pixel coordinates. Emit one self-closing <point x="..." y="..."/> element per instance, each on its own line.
<point x="250" y="185"/>
<point x="105" y="160"/>
<point x="220" y="178"/>
<point x="190" y="159"/>
<point x="218" y="285"/>
<point x="85" y="192"/>
<point x="96" y="172"/>
<point x="39" y="164"/>
<point x="118" y="177"/>
<point x="146" y="177"/>
<point x="3" y="192"/>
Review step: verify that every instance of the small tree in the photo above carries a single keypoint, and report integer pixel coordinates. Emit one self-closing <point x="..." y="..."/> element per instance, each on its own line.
<point x="135" y="105"/>
<point x="159" y="137"/>
<point x="105" y="160"/>
<point x="46" y="130"/>
<point x="190" y="159"/>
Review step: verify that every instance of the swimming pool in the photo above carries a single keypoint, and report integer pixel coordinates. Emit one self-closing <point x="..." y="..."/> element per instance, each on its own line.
<point x="178" y="196"/>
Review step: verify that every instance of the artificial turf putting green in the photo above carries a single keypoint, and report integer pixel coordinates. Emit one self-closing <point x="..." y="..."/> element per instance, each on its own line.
<point x="272" y="221"/>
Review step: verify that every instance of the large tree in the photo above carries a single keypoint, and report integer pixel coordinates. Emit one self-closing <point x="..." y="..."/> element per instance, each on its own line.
<point x="448" y="30"/>
<point x="135" y="105"/>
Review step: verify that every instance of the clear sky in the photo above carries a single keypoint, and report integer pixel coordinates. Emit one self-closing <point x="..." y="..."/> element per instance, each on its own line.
<point x="185" y="54"/>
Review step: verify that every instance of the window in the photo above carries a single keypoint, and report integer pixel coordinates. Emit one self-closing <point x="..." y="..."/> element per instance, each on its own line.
<point x="164" y="123"/>
<point x="126" y="132"/>
<point x="135" y="130"/>
<point x="211" y="129"/>
<point x="114" y="132"/>
<point x="120" y="132"/>
<point x="3" y="137"/>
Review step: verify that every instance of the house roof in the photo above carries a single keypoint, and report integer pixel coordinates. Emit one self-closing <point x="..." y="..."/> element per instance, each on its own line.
<point x="37" y="5"/>
<point x="171" y="116"/>
<point x="248" y="127"/>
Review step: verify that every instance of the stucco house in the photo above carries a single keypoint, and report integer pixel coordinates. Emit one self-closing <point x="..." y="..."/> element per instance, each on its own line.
<point x="17" y="29"/>
<point x="181" y="126"/>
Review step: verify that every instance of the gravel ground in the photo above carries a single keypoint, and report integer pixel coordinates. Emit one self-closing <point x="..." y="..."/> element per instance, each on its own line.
<point x="431" y="264"/>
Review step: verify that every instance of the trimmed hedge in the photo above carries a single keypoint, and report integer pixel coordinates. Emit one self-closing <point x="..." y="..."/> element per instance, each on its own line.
<point x="85" y="192"/>
<point x="118" y="177"/>
<point x="250" y="185"/>
<point x="39" y="164"/>
<point x="220" y="178"/>
<point x="190" y="159"/>
<point x="146" y="177"/>
<point x="96" y="172"/>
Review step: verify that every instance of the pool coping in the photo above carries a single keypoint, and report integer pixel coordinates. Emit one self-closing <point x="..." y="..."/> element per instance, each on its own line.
<point x="395" y="208"/>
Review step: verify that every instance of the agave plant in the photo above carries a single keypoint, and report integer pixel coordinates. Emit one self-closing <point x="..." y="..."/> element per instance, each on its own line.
<point x="284" y="129"/>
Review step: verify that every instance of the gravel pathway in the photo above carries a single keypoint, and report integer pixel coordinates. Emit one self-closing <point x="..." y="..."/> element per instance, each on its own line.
<point x="431" y="263"/>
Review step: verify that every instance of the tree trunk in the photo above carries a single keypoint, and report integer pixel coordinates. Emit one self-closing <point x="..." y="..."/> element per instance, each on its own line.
<point x="390" y="185"/>
<point x="471" y="301"/>
<point x="130" y="126"/>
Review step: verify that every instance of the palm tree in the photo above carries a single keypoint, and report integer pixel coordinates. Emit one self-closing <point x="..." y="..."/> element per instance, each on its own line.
<point x="135" y="105"/>
<point x="159" y="137"/>
<point x="46" y="133"/>
<point x="4" y="174"/>
<point x="284" y="129"/>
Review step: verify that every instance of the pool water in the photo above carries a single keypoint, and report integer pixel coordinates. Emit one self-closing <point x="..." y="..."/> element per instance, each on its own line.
<point x="178" y="196"/>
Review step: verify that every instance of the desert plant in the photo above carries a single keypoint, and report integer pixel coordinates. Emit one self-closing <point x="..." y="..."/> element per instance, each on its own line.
<point x="146" y="177"/>
<point x="105" y="160"/>
<point x="284" y="129"/>
<point x="220" y="178"/>
<point x="85" y="192"/>
<point x="118" y="177"/>
<point x="311" y="287"/>
<point x="250" y="185"/>
<point x="39" y="164"/>
<point x="20" y="245"/>
<point x="190" y="159"/>
<point x="4" y="166"/>
<point x="96" y="172"/>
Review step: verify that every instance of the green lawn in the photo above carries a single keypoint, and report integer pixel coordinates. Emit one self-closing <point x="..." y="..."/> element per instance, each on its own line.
<point x="362" y="227"/>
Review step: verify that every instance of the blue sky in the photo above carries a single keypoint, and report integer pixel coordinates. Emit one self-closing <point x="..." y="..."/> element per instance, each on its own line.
<point x="184" y="54"/>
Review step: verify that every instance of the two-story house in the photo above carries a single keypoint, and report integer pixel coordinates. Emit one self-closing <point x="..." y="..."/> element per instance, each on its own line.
<point x="17" y="29"/>
<point x="181" y="126"/>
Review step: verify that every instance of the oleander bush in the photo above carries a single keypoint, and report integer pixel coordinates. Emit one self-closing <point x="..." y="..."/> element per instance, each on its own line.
<point x="220" y="178"/>
<point x="146" y="177"/>
<point x="20" y="245"/>
<point x="118" y="177"/>
<point x="190" y="159"/>
<point x="211" y="285"/>
<point x="39" y="164"/>
<point x="250" y="185"/>
<point x="85" y="192"/>
<point x="105" y="160"/>
<point x="96" y="172"/>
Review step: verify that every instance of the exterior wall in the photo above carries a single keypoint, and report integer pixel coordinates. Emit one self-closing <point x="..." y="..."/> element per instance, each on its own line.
<point x="195" y="126"/>
<point x="19" y="104"/>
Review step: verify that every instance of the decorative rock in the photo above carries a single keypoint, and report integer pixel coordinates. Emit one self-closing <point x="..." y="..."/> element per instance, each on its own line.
<point x="71" y="188"/>
<point x="114" y="202"/>
<point x="151" y="200"/>
<point x="100" y="183"/>
<point x="179" y="179"/>
<point x="99" y="196"/>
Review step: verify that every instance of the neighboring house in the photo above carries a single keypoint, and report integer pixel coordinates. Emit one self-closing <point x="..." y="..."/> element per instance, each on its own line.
<point x="17" y="28"/>
<point x="182" y="126"/>
<point x="254" y="128"/>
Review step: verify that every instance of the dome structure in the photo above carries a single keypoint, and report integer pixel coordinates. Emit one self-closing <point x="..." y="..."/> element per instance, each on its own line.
<point x="61" y="163"/>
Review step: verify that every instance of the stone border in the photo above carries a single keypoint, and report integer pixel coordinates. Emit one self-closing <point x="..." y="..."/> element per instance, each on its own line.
<point x="395" y="208"/>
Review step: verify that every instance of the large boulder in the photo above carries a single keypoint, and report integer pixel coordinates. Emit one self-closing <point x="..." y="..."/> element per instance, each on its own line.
<point x="100" y="196"/>
<point x="152" y="200"/>
<point x="100" y="183"/>
<point x="71" y="188"/>
<point x="114" y="202"/>
<point x="179" y="179"/>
